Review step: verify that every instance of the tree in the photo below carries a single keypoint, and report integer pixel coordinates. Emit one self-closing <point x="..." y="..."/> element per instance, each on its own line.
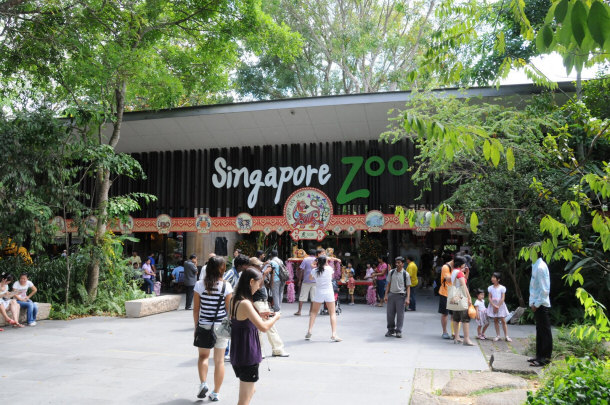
<point x="350" y="46"/>
<point x="98" y="58"/>
<point x="502" y="201"/>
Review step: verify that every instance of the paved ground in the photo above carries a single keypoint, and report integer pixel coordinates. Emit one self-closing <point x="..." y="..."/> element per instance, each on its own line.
<point x="152" y="361"/>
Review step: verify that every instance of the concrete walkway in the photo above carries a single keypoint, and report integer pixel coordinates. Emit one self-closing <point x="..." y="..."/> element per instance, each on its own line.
<point x="151" y="360"/>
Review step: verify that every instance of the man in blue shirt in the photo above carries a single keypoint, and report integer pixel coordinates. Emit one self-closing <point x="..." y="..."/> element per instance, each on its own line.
<point x="540" y="287"/>
<point x="177" y="274"/>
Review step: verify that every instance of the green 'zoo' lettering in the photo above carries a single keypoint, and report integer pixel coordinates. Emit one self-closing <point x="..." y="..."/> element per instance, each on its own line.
<point x="344" y="197"/>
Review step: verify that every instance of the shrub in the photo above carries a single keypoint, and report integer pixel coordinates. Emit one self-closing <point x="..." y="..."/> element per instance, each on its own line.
<point x="574" y="381"/>
<point x="566" y="344"/>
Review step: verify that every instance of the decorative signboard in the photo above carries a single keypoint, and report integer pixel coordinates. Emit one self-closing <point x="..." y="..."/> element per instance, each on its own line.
<point x="203" y="223"/>
<point x="245" y="223"/>
<point x="308" y="212"/>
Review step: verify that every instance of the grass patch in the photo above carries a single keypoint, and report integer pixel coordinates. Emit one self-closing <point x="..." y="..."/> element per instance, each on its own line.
<point x="489" y="391"/>
<point x="438" y="392"/>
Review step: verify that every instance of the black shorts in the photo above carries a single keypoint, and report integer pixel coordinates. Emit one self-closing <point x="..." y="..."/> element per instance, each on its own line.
<point x="246" y="373"/>
<point x="442" y="305"/>
<point x="460" y="316"/>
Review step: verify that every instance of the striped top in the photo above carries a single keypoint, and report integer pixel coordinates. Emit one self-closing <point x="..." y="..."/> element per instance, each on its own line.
<point x="209" y="302"/>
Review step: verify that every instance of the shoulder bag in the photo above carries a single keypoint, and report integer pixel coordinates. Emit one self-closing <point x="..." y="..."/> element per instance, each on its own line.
<point x="456" y="301"/>
<point x="206" y="338"/>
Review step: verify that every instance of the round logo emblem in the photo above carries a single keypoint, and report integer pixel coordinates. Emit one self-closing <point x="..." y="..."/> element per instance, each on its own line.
<point x="127" y="226"/>
<point x="243" y="222"/>
<point x="308" y="211"/>
<point x="203" y="223"/>
<point x="164" y="222"/>
<point x="374" y="221"/>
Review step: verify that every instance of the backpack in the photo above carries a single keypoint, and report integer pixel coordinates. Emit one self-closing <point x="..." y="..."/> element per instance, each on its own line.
<point x="283" y="272"/>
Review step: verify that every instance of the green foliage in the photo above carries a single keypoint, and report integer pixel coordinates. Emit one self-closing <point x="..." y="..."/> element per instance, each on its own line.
<point x="574" y="381"/>
<point x="566" y="344"/>
<point x="579" y="30"/>
<point x="118" y="281"/>
<point x="37" y="171"/>
<point x="248" y="247"/>
<point x="596" y="96"/>
<point x="370" y="249"/>
<point x="348" y="47"/>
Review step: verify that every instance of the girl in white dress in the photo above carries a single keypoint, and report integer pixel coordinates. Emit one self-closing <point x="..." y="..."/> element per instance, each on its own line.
<point x="323" y="276"/>
<point x="482" y="322"/>
<point x="497" y="308"/>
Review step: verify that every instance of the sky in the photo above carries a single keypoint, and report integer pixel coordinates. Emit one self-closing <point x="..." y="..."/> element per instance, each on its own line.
<point x="552" y="66"/>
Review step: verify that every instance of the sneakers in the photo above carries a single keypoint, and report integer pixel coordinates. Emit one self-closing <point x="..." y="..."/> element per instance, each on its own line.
<point x="308" y="336"/>
<point x="398" y="335"/>
<point x="335" y="339"/>
<point x="390" y="333"/>
<point x="203" y="389"/>
<point x="227" y="358"/>
<point x="281" y="354"/>
<point x="214" y="396"/>
<point x="446" y="336"/>
<point x="32" y="324"/>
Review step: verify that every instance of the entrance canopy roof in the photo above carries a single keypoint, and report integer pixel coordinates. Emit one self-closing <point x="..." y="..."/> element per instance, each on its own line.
<point x="289" y="121"/>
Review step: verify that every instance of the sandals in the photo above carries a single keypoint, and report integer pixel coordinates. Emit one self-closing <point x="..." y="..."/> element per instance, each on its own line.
<point x="457" y="341"/>
<point x="508" y="339"/>
<point x="537" y="363"/>
<point x="481" y="337"/>
<point x="468" y="344"/>
<point x="496" y="338"/>
<point x="335" y="339"/>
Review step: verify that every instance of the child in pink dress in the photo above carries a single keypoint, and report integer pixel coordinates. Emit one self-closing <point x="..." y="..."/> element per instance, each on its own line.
<point x="351" y="286"/>
<point x="497" y="308"/>
<point x="482" y="322"/>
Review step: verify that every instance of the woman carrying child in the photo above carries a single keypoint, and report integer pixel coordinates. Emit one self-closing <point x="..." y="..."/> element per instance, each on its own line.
<point x="497" y="308"/>
<point x="246" y="352"/>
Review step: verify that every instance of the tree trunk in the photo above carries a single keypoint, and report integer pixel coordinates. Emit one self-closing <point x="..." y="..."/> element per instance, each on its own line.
<point x="512" y="271"/>
<point x="68" y="264"/>
<point x="103" y="184"/>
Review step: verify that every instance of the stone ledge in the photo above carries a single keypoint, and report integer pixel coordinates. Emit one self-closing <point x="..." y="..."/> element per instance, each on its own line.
<point x="511" y="363"/>
<point x="44" y="308"/>
<point x="151" y="306"/>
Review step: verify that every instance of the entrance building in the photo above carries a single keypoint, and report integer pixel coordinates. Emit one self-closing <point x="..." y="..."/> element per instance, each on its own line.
<point x="291" y="174"/>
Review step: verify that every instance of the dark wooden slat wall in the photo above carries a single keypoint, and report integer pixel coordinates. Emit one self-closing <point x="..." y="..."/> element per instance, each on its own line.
<point x="182" y="180"/>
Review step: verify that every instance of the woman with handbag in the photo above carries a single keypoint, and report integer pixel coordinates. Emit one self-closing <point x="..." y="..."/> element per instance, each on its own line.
<point x="458" y="300"/>
<point x="211" y="300"/>
<point x="246" y="352"/>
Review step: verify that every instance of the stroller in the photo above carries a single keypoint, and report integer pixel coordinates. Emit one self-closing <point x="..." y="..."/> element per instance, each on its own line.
<point x="324" y="310"/>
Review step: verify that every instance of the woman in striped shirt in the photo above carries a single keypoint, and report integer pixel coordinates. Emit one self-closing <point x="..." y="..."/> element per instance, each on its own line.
<point x="210" y="307"/>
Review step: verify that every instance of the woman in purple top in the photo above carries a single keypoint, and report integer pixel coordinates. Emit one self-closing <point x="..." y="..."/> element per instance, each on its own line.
<point x="147" y="276"/>
<point x="245" y="343"/>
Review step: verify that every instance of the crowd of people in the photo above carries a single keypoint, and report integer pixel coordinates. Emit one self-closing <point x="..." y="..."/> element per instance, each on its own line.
<point x="243" y="296"/>
<point x="248" y="297"/>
